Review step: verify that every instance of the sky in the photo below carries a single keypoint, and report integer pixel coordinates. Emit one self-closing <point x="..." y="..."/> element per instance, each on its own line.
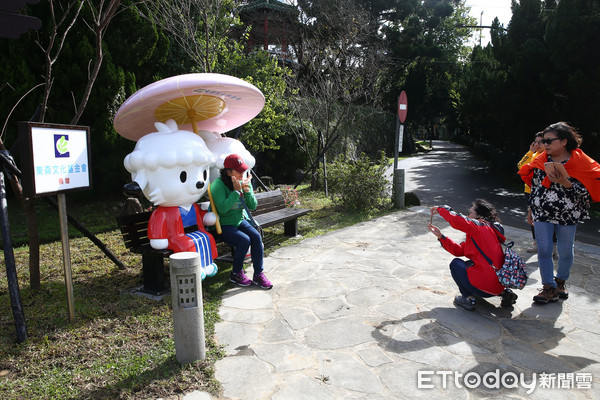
<point x="491" y="9"/>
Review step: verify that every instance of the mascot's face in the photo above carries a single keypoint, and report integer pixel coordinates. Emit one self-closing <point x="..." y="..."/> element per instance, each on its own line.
<point x="180" y="186"/>
<point x="171" y="166"/>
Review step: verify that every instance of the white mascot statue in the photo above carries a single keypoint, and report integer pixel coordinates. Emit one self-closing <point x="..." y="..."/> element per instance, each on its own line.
<point x="172" y="168"/>
<point x="221" y="147"/>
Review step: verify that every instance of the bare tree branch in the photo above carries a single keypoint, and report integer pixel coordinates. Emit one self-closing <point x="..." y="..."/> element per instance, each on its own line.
<point x="101" y="18"/>
<point x="55" y="44"/>
<point x="201" y="27"/>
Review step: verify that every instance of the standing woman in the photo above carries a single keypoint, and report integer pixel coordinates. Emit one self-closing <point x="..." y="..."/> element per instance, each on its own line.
<point x="228" y="192"/>
<point x="562" y="180"/>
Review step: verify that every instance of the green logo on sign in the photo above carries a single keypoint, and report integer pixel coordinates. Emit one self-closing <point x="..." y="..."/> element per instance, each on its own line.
<point x="61" y="145"/>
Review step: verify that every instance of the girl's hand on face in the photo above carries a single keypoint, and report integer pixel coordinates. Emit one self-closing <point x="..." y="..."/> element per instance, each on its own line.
<point x="236" y="184"/>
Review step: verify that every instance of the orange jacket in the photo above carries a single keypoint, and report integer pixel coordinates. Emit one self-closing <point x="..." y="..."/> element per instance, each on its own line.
<point x="580" y="166"/>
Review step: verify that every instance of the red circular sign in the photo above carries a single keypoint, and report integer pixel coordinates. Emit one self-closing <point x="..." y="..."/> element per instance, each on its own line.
<point x="402" y="106"/>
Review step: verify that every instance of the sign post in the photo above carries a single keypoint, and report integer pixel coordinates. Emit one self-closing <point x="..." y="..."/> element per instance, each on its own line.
<point x="56" y="160"/>
<point x="398" y="183"/>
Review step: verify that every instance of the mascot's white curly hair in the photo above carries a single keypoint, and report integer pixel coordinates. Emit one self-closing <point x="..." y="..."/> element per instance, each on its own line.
<point x="167" y="148"/>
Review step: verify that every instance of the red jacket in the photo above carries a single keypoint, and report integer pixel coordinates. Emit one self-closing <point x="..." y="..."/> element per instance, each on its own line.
<point x="481" y="274"/>
<point x="166" y="223"/>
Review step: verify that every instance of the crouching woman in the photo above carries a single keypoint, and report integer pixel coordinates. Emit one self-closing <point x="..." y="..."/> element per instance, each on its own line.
<point x="475" y="277"/>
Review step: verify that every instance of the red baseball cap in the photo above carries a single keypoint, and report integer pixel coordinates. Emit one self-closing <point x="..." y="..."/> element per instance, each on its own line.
<point x="235" y="162"/>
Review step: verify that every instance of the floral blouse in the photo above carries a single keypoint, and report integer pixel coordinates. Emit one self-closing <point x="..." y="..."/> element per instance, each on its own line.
<point x="558" y="204"/>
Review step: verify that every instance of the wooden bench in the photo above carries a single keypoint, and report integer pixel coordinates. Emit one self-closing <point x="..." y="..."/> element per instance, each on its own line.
<point x="271" y="210"/>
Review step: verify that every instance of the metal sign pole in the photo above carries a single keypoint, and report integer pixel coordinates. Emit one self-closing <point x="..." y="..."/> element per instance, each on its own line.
<point x="64" y="234"/>
<point x="398" y="182"/>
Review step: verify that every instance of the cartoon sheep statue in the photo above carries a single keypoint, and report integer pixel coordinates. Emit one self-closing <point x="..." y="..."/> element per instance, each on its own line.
<point x="221" y="147"/>
<point x="172" y="168"/>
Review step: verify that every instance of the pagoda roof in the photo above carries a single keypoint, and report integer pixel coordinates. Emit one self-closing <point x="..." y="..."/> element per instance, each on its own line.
<point x="275" y="5"/>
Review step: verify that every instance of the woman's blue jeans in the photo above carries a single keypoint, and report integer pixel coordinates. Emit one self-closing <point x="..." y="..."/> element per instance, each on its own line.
<point x="241" y="238"/>
<point x="458" y="269"/>
<point x="565" y="242"/>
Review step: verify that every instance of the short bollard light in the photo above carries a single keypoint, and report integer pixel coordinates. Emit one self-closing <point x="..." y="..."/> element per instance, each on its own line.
<point x="188" y="317"/>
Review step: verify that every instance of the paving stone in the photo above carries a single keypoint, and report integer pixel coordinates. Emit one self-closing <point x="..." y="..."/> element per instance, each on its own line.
<point x="523" y="354"/>
<point x="456" y="345"/>
<point x="345" y="371"/>
<point x="298" y="318"/>
<point x="339" y="333"/>
<point x="368" y="296"/>
<point x="582" y="300"/>
<point x="276" y="331"/>
<point x="334" y="308"/>
<point x="295" y="252"/>
<point x="550" y="311"/>
<point x="397" y="309"/>
<point x="246" y="299"/>
<point x="336" y="257"/>
<point x="402" y="380"/>
<point x="532" y="330"/>
<point x="571" y="352"/>
<point x="244" y="378"/>
<point x="374" y="356"/>
<point x="244" y="316"/>
<point x="236" y="337"/>
<point x="311" y="289"/>
<point x="285" y="357"/>
<point x="589" y="341"/>
<point x="303" y="387"/>
<point x="467" y="324"/>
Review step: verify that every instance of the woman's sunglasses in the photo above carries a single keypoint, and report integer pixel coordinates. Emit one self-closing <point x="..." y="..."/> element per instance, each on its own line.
<point x="548" y="141"/>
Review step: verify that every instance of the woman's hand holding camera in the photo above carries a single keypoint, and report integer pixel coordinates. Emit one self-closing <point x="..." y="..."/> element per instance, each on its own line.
<point x="432" y="228"/>
<point x="435" y="230"/>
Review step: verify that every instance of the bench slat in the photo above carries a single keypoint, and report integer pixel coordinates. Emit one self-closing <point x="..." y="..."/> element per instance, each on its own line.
<point x="279" y="216"/>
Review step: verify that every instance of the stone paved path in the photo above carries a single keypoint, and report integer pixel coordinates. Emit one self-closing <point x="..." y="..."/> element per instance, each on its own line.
<point x="357" y="313"/>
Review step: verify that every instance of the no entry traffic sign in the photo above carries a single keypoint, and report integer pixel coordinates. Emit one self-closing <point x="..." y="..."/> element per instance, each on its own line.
<point x="402" y="106"/>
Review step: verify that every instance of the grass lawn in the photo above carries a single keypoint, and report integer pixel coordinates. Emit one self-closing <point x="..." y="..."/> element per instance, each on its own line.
<point x="121" y="345"/>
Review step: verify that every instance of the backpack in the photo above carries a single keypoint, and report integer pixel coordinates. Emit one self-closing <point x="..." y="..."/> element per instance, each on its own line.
<point x="512" y="274"/>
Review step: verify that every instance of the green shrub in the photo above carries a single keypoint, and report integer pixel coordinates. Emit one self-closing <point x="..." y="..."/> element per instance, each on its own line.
<point x="359" y="184"/>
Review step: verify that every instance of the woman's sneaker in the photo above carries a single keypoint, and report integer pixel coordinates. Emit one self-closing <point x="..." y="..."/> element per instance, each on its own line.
<point x="262" y="281"/>
<point x="239" y="278"/>
<point x="465" y="302"/>
<point x="548" y="293"/>
<point x="561" y="288"/>
<point x="508" y="298"/>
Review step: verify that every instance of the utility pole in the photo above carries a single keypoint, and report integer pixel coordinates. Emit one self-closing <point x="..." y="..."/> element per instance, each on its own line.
<point x="480" y="24"/>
